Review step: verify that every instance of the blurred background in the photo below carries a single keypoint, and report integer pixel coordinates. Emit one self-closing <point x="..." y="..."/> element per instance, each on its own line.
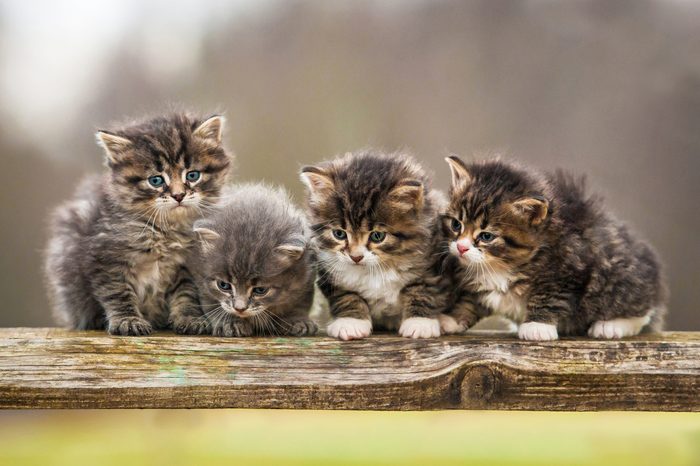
<point x="610" y="89"/>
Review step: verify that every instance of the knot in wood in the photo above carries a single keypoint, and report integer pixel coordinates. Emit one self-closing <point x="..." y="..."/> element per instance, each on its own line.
<point x="478" y="386"/>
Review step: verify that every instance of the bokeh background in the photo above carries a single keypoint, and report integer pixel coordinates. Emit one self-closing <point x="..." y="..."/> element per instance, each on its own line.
<point x="610" y="89"/>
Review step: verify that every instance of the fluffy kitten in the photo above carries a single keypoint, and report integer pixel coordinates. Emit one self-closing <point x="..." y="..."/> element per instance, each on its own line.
<point x="538" y="250"/>
<point x="116" y="252"/>
<point x="372" y="218"/>
<point x="254" y="268"/>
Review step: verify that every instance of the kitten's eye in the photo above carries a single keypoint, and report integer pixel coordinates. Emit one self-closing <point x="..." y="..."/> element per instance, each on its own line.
<point x="260" y="290"/>
<point x="456" y="225"/>
<point x="377" y="236"/>
<point x="340" y="234"/>
<point x="193" y="176"/>
<point x="486" y="237"/>
<point x="223" y="286"/>
<point x="156" y="181"/>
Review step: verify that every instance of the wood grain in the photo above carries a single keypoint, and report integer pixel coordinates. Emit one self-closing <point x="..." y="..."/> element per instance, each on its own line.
<point x="53" y="368"/>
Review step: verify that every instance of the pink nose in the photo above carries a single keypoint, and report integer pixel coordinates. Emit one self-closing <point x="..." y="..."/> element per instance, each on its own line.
<point x="462" y="248"/>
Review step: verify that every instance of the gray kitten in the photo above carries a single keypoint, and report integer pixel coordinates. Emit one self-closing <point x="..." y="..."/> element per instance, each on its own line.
<point x="254" y="267"/>
<point x="117" y="251"/>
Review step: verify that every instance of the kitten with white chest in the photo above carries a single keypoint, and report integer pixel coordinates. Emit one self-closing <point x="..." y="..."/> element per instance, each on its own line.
<point x="373" y="216"/>
<point x="254" y="267"/>
<point x="117" y="251"/>
<point x="536" y="249"/>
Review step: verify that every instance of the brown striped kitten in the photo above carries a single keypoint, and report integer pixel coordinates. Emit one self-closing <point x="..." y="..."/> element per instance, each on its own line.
<point x="540" y="251"/>
<point x="116" y="254"/>
<point x="254" y="266"/>
<point x="372" y="217"/>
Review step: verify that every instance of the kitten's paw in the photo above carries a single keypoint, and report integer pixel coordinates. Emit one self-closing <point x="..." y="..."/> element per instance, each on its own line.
<point x="302" y="328"/>
<point x="449" y="325"/>
<point x="537" y="331"/>
<point x="132" y="326"/>
<point x="233" y="328"/>
<point x="196" y="326"/>
<point x="618" y="328"/>
<point x="349" y="328"/>
<point x="420" y="327"/>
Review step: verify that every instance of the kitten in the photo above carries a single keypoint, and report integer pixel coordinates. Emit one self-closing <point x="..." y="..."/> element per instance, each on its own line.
<point x="538" y="250"/>
<point x="372" y="217"/>
<point x="254" y="268"/>
<point x="116" y="252"/>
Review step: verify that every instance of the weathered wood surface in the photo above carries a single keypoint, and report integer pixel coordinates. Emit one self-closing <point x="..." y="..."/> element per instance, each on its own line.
<point x="52" y="368"/>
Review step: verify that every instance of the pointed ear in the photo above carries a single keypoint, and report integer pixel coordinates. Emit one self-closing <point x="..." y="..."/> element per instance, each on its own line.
<point x="316" y="180"/>
<point x="114" y="146"/>
<point x="212" y="129"/>
<point x="534" y="209"/>
<point x="407" y="196"/>
<point x="460" y="174"/>
<point x="285" y="256"/>
<point x="207" y="237"/>
<point x="291" y="251"/>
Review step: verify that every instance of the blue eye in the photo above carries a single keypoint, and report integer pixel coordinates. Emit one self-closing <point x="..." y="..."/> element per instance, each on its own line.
<point x="156" y="181"/>
<point x="193" y="176"/>
<point x="456" y="225"/>
<point x="377" y="236"/>
<point x="223" y="286"/>
<point x="340" y="234"/>
<point x="486" y="236"/>
<point x="260" y="290"/>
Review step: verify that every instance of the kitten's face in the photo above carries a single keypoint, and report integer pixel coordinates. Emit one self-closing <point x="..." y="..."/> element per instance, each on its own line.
<point x="245" y="281"/>
<point x="490" y="225"/>
<point x="168" y="169"/>
<point x="367" y="212"/>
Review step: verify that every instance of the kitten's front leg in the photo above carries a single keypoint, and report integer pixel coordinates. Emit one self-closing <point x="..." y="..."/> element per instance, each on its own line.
<point x="462" y="316"/>
<point x="118" y="300"/>
<point x="186" y="313"/>
<point x="351" y="316"/>
<point x="301" y="326"/>
<point x="422" y="303"/>
<point x="231" y="326"/>
<point x="544" y="310"/>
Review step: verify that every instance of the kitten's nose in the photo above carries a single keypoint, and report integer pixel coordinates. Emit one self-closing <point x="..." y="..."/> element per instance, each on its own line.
<point x="357" y="259"/>
<point x="462" y="248"/>
<point x="178" y="196"/>
<point x="240" y="305"/>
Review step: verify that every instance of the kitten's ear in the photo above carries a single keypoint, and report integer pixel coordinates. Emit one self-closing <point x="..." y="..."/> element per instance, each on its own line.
<point x="291" y="251"/>
<point x="316" y="180"/>
<point x="212" y="129"/>
<point x="115" y="146"/>
<point x="534" y="209"/>
<point x="207" y="237"/>
<point x="407" y="195"/>
<point x="460" y="174"/>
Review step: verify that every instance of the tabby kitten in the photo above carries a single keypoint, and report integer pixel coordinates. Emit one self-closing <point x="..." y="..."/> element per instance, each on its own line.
<point x="372" y="217"/>
<point x="116" y="254"/>
<point x="537" y="249"/>
<point x="254" y="268"/>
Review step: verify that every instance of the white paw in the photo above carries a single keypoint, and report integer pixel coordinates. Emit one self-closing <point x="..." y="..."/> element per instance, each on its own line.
<point x="449" y="325"/>
<point x="537" y="331"/>
<point x="618" y="328"/>
<point x="349" y="328"/>
<point x="420" y="327"/>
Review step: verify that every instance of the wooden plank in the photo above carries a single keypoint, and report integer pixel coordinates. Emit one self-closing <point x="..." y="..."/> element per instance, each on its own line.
<point x="52" y="368"/>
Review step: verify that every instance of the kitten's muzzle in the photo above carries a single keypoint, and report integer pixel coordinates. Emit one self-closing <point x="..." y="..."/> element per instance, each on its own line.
<point x="178" y="197"/>
<point x="357" y="259"/>
<point x="463" y="247"/>
<point x="240" y="305"/>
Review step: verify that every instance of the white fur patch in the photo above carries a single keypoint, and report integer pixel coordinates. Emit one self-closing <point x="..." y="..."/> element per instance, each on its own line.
<point x="420" y="327"/>
<point x="448" y="325"/>
<point x="510" y="304"/>
<point x="537" y="331"/>
<point x="618" y="328"/>
<point x="349" y="328"/>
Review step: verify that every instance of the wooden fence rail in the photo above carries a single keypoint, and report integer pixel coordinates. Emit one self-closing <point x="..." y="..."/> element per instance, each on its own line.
<point x="52" y="368"/>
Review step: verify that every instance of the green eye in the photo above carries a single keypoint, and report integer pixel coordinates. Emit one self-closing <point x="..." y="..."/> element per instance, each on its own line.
<point x="193" y="176"/>
<point x="260" y="290"/>
<point x="340" y="234"/>
<point x="223" y="286"/>
<point x="486" y="236"/>
<point x="456" y="225"/>
<point x="156" y="181"/>
<point x="377" y="236"/>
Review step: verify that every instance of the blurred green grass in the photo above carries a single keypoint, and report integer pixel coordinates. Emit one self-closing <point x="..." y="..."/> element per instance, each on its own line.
<point x="172" y="438"/>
